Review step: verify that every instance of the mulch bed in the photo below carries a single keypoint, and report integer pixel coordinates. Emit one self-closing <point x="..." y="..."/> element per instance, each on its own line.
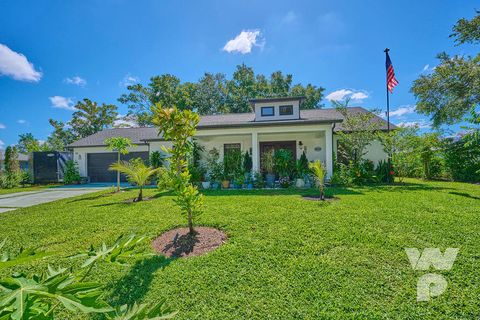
<point x="178" y="242"/>
<point x="317" y="198"/>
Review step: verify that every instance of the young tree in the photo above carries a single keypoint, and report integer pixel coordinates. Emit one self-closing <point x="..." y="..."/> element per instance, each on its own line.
<point x="319" y="172"/>
<point x="358" y="132"/>
<point x="120" y="145"/>
<point x="179" y="127"/>
<point x="137" y="172"/>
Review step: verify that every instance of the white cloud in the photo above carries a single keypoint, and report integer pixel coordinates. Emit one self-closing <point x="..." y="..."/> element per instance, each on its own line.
<point x="356" y="96"/>
<point x="21" y="121"/>
<point x="62" y="103"/>
<point x="290" y="17"/>
<point x="244" y="42"/>
<point x="2" y="144"/>
<point x="419" y="124"/>
<point x="76" y="80"/>
<point x="129" y="80"/>
<point x="16" y="65"/>
<point x="2" y="126"/>
<point x="402" y="111"/>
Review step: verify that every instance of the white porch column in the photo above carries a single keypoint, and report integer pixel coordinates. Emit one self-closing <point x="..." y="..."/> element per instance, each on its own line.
<point x="255" y="156"/>
<point x="329" y="151"/>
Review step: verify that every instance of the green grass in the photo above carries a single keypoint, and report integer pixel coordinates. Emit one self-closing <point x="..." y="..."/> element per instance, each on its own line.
<point x="23" y="189"/>
<point x="286" y="258"/>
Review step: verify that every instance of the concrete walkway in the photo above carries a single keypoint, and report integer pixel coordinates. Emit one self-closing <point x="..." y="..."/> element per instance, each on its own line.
<point x="12" y="201"/>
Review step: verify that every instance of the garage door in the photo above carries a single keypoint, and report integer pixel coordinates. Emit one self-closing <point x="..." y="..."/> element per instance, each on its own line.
<point x="98" y="163"/>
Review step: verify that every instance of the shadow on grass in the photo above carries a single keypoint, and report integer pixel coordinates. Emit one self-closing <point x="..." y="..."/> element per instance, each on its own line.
<point x="135" y="284"/>
<point x="276" y="192"/>
<point x="464" y="194"/>
<point x="401" y="187"/>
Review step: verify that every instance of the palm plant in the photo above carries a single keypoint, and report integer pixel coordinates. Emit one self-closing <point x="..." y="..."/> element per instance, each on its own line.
<point x="318" y="171"/>
<point x="137" y="172"/>
<point x="121" y="145"/>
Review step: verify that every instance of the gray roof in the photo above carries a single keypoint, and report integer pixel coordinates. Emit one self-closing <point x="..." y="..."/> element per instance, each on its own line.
<point x="21" y="156"/>
<point x="143" y="134"/>
<point x="136" y="135"/>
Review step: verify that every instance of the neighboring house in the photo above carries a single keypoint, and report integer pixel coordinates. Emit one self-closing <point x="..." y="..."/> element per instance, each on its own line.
<point x="275" y="124"/>
<point x="23" y="160"/>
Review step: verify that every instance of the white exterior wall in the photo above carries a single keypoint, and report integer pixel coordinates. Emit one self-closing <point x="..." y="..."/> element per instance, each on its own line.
<point x="276" y="105"/>
<point x="80" y="155"/>
<point x="375" y="152"/>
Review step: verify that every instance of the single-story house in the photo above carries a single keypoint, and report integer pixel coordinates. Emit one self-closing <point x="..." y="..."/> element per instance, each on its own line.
<point x="276" y="123"/>
<point x="23" y="161"/>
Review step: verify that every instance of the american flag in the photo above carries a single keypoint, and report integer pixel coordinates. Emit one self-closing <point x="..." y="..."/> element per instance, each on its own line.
<point x="391" y="81"/>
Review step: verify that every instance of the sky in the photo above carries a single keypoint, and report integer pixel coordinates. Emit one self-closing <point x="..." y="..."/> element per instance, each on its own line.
<point x="54" y="53"/>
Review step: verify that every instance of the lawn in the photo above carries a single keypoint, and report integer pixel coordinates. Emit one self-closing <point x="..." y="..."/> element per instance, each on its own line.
<point x="285" y="257"/>
<point x="23" y="189"/>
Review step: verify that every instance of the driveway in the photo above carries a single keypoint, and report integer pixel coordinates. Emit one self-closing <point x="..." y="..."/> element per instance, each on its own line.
<point x="12" y="201"/>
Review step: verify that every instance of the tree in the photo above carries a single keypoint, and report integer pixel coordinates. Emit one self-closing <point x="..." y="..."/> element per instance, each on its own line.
<point x="313" y="95"/>
<point x="137" y="172"/>
<point x="138" y="100"/>
<point x="210" y="96"/>
<point x="429" y="147"/>
<point x="28" y="143"/>
<point x="121" y="145"/>
<point x="451" y="90"/>
<point x="402" y="144"/>
<point x="11" y="160"/>
<point x="61" y="136"/>
<point x="179" y="126"/>
<point x="90" y="118"/>
<point x="241" y="89"/>
<point x="319" y="172"/>
<point x="358" y="131"/>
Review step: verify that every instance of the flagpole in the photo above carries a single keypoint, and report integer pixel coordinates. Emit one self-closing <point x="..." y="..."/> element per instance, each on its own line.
<point x="388" y="96"/>
<point x="388" y="112"/>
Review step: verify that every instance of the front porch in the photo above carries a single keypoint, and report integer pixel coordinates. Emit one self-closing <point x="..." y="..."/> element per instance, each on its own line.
<point x="315" y="140"/>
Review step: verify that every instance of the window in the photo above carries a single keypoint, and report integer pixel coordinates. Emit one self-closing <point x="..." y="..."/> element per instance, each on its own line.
<point x="286" y="110"/>
<point x="231" y="147"/>
<point x="268" y="111"/>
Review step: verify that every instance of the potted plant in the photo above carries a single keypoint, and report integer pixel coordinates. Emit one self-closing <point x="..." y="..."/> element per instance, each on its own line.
<point x="206" y="181"/>
<point x="232" y="164"/>
<point x="301" y="171"/>
<point x="267" y="162"/>
<point x="215" y="168"/>
<point x="238" y="180"/>
<point x="248" y="181"/>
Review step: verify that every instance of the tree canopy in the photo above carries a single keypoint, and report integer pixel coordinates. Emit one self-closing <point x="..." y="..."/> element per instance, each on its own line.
<point x="451" y="90"/>
<point x="214" y="93"/>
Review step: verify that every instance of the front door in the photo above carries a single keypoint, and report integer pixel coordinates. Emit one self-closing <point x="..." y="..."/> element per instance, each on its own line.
<point x="277" y="145"/>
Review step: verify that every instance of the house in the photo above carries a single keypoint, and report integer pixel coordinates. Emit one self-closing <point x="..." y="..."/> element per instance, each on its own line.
<point x="276" y="123"/>
<point x="23" y="161"/>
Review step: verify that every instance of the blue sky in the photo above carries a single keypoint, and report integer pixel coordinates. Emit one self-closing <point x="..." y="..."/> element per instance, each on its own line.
<point x="53" y="53"/>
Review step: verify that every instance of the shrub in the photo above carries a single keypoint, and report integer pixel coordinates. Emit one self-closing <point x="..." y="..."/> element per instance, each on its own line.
<point x="71" y="174"/>
<point x="462" y="160"/>
<point x="247" y="162"/>
<point x="319" y="172"/>
<point x="385" y="173"/>
<point x="258" y="181"/>
<point x="268" y="161"/>
<point x="215" y="167"/>
<point x="232" y="164"/>
<point x="283" y="163"/>
<point x="10" y="180"/>
<point x="156" y="159"/>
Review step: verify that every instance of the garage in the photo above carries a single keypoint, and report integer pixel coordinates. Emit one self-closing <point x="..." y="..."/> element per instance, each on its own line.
<point x="98" y="163"/>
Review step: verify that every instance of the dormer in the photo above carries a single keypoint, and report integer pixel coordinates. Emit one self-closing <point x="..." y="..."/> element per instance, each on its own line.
<point x="275" y="109"/>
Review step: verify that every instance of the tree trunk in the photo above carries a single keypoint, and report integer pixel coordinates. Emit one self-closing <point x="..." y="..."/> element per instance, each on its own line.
<point x="140" y="195"/>
<point x="190" y="224"/>
<point x="322" y="193"/>
<point x="118" y="173"/>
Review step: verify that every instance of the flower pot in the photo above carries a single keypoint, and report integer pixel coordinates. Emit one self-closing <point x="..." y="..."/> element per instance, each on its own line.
<point x="270" y="180"/>
<point x="215" y="185"/>
<point x="206" y="184"/>
<point x="299" y="183"/>
<point x="225" y="184"/>
<point x="250" y="186"/>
